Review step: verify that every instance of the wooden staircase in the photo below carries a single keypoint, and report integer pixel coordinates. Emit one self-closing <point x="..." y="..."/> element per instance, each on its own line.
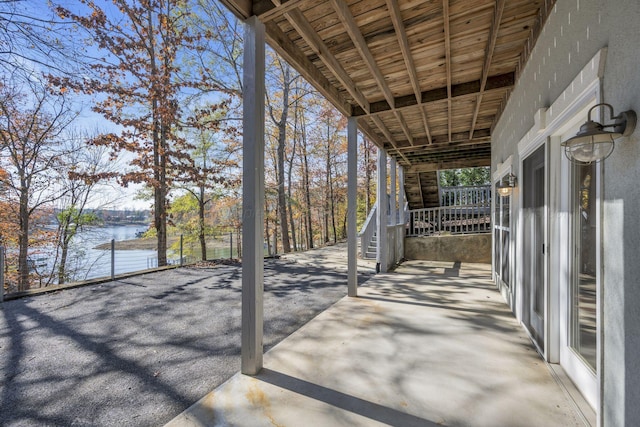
<point x="371" y="251"/>
<point x="421" y="189"/>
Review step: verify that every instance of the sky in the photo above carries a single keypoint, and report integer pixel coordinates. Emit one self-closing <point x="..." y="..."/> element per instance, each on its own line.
<point x="110" y="196"/>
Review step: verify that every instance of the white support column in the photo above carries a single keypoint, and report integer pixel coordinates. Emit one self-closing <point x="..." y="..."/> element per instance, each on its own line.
<point x="383" y="202"/>
<point x="352" y="201"/>
<point x="394" y="193"/>
<point x="393" y="212"/>
<point x="402" y="196"/>
<point x="253" y="196"/>
<point x="401" y="203"/>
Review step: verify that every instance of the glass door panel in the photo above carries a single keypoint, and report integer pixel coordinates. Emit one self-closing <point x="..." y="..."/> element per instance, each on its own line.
<point x="533" y="215"/>
<point x="583" y="293"/>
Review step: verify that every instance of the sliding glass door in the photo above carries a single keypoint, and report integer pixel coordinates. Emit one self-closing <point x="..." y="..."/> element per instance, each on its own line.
<point x="533" y="263"/>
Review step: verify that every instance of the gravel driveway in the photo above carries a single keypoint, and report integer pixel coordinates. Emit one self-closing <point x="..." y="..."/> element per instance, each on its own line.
<point x="138" y="351"/>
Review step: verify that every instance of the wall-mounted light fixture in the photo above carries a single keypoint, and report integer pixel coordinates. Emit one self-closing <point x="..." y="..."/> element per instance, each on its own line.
<point x="507" y="184"/>
<point x="592" y="143"/>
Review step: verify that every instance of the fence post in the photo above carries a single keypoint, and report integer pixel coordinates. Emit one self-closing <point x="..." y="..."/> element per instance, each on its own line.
<point x="113" y="259"/>
<point x="1" y="274"/>
<point x="231" y="245"/>
<point x="181" y="259"/>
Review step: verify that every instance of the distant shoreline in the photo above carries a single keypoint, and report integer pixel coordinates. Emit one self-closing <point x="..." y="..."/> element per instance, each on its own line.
<point x="151" y="244"/>
<point x="126" y="223"/>
<point x="142" y="243"/>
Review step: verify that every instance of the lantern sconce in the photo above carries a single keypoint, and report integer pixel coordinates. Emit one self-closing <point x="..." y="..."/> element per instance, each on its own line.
<point x="592" y="143"/>
<point x="507" y="184"/>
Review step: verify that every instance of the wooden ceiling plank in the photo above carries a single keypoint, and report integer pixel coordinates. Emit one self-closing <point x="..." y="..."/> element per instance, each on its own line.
<point x="304" y="28"/>
<point x="403" y="125"/>
<point x="481" y="135"/>
<point x="267" y="10"/>
<point x="347" y="19"/>
<point x="458" y="144"/>
<point x="488" y="57"/>
<point x="401" y="35"/>
<point x="420" y="187"/>
<point x="494" y="84"/>
<point x="453" y="164"/>
<point x="240" y="8"/>
<point x="447" y="50"/>
<point x="388" y="135"/>
<point x="423" y="115"/>
<point x="370" y="133"/>
<point x="285" y="48"/>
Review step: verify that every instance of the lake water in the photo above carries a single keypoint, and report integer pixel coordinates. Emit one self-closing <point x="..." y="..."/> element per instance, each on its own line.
<point x="90" y="263"/>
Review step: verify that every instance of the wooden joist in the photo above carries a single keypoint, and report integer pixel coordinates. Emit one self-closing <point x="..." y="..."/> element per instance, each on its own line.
<point x="427" y="79"/>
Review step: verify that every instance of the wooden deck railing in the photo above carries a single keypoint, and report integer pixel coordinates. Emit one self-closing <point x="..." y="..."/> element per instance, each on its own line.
<point x="449" y="220"/>
<point x="464" y="210"/>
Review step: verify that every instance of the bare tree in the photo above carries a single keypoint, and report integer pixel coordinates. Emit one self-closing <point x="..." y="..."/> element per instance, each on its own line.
<point x="31" y="38"/>
<point x="32" y="123"/>
<point x="81" y="159"/>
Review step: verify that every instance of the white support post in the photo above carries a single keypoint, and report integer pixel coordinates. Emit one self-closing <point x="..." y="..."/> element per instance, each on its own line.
<point x="393" y="214"/>
<point x="394" y="192"/>
<point x="352" y="200"/>
<point x="253" y="196"/>
<point x="382" y="253"/>
<point x="401" y="203"/>
<point x="402" y="197"/>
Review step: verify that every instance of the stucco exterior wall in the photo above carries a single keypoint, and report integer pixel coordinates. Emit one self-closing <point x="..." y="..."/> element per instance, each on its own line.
<point x="575" y="31"/>
<point x="457" y="248"/>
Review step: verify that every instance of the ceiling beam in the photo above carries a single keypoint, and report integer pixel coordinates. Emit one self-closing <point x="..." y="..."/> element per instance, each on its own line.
<point x="452" y="164"/>
<point x="448" y="148"/>
<point x="401" y="35"/>
<point x="420" y="187"/>
<point x="309" y="34"/>
<point x="269" y="9"/>
<point x="241" y="8"/>
<point x="388" y="135"/>
<point x="423" y="115"/>
<point x="484" y="153"/>
<point x="494" y="84"/>
<point x="361" y="46"/>
<point x="447" y="54"/>
<point x="371" y="134"/>
<point x="347" y="19"/>
<point x="285" y="48"/>
<point x="488" y="56"/>
<point x="481" y="135"/>
<point x="403" y="126"/>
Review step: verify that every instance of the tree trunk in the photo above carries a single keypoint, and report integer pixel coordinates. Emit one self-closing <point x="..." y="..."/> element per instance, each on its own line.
<point x="328" y="189"/>
<point x="333" y="213"/>
<point x="62" y="267"/>
<point x="239" y="242"/>
<point x="305" y="182"/>
<point x="266" y="228"/>
<point x="282" y="138"/>
<point x="289" y="174"/>
<point x="23" y="240"/>
<point x="201" y="224"/>
<point x="159" y="159"/>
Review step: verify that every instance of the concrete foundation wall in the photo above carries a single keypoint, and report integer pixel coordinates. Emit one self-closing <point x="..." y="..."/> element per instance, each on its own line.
<point x="457" y="248"/>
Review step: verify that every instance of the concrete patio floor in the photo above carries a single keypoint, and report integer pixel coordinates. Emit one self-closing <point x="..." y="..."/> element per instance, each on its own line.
<point x="430" y="344"/>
